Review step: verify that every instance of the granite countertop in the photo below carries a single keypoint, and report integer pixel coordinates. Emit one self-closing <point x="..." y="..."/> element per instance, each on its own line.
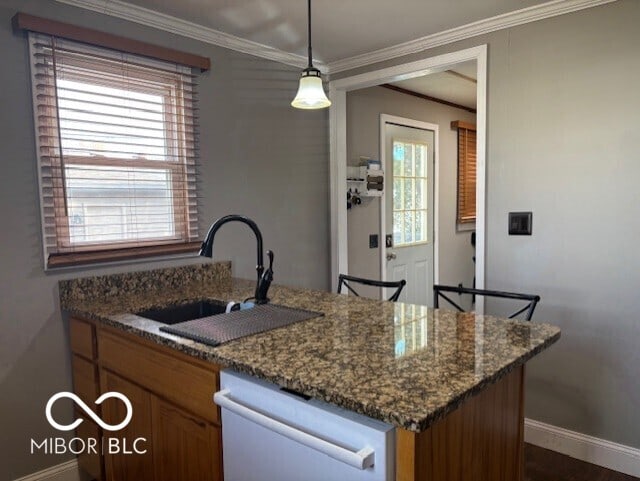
<point x="404" y="364"/>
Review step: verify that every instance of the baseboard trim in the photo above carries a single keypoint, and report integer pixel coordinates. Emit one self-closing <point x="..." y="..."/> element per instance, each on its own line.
<point x="607" y="454"/>
<point x="68" y="471"/>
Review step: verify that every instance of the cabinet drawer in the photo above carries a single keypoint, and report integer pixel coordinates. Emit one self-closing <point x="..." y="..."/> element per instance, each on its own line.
<point x="81" y="338"/>
<point x="187" y="385"/>
<point x="85" y="381"/>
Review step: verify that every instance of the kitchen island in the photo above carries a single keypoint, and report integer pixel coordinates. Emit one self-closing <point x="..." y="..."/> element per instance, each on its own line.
<point x="452" y="383"/>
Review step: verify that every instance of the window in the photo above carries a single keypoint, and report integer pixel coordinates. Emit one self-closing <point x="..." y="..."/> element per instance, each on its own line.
<point x="409" y="193"/>
<point x="466" y="171"/>
<point x="116" y="136"/>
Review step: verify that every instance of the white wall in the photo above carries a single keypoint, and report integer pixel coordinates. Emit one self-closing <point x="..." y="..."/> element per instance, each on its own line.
<point x="363" y="139"/>
<point x="563" y="116"/>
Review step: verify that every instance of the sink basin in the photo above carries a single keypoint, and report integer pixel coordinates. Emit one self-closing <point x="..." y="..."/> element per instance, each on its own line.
<point x="183" y="312"/>
<point x="227" y="327"/>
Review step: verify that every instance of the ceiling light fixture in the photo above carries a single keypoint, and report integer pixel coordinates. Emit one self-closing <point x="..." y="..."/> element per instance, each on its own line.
<point x="310" y="93"/>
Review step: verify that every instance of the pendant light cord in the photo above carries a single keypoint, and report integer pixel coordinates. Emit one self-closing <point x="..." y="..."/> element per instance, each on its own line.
<point x="309" y="33"/>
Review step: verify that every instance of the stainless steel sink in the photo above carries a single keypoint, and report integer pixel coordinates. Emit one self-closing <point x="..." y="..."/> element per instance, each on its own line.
<point x="183" y="312"/>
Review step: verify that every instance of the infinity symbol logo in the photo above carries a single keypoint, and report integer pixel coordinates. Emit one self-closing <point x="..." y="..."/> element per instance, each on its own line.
<point x="88" y="411"/>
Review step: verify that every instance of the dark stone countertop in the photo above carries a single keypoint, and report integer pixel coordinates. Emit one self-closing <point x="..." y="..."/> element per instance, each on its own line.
<point x="404" y="364"/>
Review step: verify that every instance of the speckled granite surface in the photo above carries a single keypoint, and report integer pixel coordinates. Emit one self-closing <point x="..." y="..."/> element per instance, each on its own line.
<point x="157" y="281"/>
<point x="404" y="364"/>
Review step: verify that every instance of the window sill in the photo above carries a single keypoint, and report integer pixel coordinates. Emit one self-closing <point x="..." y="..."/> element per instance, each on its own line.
<point x="466" y="227"/>
<point x="76" y="259"/>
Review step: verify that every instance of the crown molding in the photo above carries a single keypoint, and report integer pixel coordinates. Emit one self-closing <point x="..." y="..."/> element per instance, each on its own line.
<point x="168" y="23"/>
<point x="499" y="22"/>
<point x="151" y="18"/>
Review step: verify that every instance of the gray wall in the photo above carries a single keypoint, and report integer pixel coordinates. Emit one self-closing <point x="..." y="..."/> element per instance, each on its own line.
<point x="363" y="139"/>
<point x="259" y="156"/>
<point x="563" y="116"/>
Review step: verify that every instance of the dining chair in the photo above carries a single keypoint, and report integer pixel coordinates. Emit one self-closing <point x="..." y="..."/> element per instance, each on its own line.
<point x="348" y="281"/>
<point x="532" y="300"/>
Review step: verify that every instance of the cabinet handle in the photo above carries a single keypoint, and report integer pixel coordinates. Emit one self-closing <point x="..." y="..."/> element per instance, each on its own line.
<point x="362" y="459"/>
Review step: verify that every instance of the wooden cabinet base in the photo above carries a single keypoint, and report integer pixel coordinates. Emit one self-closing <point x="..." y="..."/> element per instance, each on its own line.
<point x="186" y="447"/>
<point x="120" y="466"/>
<point x="482" y="440"/>
<point x="174" y="430"/>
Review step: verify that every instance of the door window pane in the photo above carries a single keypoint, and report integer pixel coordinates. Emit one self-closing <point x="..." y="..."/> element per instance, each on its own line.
<point x="397" y="194"/>
<point x="398" y="158"/>
<point x="409" y="193"/>
<point x="408" y="160"/>
<point x="397" y="228"/>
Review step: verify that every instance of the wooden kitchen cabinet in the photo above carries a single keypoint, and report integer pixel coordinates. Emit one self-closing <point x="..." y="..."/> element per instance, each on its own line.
<point x="121" y="466"/>
<point x="172" y="399"/>
<point x="89" y="462"/>
<point x="186" y="447"/>
<point x="86" y="385"/>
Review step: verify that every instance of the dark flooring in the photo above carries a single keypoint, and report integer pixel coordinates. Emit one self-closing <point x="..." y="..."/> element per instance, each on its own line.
<point x="544" y="465"/>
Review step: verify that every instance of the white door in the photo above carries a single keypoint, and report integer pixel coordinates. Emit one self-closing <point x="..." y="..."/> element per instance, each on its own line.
<point x="409" y="209"/>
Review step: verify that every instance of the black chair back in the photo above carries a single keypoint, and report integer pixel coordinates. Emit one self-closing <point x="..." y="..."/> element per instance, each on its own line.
<point x="347" y="281"/>
<point x="532" y="300"/>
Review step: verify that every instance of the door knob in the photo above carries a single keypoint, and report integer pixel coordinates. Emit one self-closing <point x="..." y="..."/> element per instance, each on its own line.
<point x="391" y="255"/>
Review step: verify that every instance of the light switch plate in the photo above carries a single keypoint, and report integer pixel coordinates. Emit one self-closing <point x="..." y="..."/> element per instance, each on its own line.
<point x="388" y="240"/>
<point x="520" y="223"/>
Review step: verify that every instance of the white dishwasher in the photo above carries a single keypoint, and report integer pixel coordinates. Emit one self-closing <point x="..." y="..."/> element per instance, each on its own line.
<point x="270" y="434"/>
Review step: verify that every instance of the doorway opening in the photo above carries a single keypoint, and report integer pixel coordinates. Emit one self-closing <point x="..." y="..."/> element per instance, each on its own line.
<point x="340" y="162"/>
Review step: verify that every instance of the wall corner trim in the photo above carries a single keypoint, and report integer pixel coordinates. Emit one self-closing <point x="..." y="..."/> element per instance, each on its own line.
<point x="487" y="25"/>
<point x="618" y="457"/>
<point x="67" y="471"/>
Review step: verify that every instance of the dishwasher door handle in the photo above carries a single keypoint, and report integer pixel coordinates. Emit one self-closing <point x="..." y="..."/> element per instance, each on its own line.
<point x="361" y="459"/>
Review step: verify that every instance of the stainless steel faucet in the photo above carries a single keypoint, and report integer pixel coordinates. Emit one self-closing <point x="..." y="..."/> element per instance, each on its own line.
<point x="264" y="277"/>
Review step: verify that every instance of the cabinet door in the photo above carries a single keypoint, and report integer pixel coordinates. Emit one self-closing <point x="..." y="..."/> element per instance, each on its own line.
<point x="185" y="446"/>
<point x="120" y="465"/>
<point x="85" y="381"/>
<point x="89" y="461"/>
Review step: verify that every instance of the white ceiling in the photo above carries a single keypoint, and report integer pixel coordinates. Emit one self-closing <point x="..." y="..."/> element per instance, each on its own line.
<point x="341" y="28"/>
<point x="446" y="85"/>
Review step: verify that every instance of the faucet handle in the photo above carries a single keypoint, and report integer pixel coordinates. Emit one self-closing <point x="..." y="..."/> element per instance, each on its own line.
<point x="265" y="281"/>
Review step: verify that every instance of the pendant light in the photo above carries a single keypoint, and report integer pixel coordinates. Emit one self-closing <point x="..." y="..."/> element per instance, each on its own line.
<point x="310" y="93"/>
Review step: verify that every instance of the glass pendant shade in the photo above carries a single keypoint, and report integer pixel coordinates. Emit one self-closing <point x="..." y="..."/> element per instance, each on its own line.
<point x="310" y="93"/>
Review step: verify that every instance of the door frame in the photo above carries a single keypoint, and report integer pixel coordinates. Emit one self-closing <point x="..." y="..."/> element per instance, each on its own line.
<point x="338" y="149"/>
<point x="384" y="118"/>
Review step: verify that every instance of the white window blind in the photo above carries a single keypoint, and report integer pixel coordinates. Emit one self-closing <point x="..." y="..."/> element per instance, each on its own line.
<point x="117" y="147"/>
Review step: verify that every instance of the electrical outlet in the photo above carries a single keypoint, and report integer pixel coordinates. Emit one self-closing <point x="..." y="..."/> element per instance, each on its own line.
<point x="373" y="241"/>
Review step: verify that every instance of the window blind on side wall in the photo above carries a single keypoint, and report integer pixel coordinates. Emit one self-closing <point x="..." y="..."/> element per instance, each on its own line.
<point x="116" y="135"/>
<point x="466" y="172"/>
